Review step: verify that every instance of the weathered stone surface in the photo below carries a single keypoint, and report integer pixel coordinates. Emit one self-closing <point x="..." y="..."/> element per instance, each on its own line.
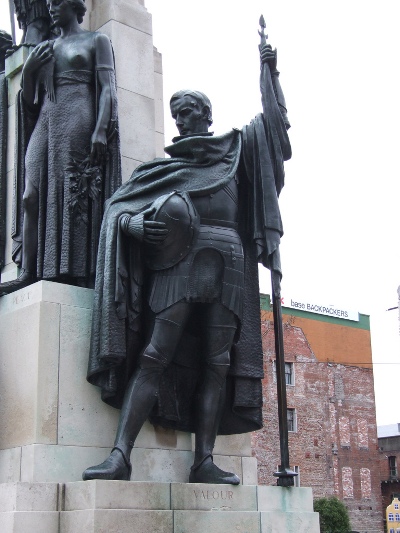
<point x="117" y="495"/>
<point x="116" y="521"/>
<point x="28" y="497"/>
<point x="128" y="12"/>
<point x="286" y="499"/>
<point x="297" y="522"/>
<point x="227" y="522"/>
<point x="249" y="471"/>
<point x="32" y="522"/>
<point x="209" y="497"/>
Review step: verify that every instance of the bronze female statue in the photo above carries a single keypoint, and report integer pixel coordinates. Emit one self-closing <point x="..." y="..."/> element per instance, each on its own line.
<point x="71" y="165"/>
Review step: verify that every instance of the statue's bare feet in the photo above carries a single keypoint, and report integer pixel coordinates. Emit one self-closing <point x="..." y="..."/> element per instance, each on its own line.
<point x="115" y="466"/>
<point x="208" y="472"/>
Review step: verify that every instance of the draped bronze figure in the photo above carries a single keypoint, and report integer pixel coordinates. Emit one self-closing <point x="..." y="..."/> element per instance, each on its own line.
<point x="68" y="159"/>
<point x="176" y="320"/>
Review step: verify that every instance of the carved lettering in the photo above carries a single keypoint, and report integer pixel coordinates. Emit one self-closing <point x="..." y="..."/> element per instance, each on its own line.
<point x="21" y="298"/>
<point x="213" y="495"/>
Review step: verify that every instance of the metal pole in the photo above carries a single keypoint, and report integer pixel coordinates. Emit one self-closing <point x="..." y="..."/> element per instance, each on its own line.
<point x="284" y="474"/>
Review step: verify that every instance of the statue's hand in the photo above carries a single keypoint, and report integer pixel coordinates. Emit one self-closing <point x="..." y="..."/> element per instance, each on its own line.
<point x="154" y="232"/>
<point x="40" y="55"/>
<point x="269" y="56"/>
<point x="137" y="226"/>
<point x="98" y="148"/>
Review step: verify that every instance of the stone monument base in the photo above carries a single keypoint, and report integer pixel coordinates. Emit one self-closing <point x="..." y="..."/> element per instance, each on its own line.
<point x="146" y="507"/>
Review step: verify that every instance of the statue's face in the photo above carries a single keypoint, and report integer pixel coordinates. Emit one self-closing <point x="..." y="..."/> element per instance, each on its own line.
<point x="189" y="117"/>
<point x="61" y="12"/>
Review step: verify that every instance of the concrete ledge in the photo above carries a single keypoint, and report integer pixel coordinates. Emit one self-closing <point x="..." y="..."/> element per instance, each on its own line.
<point x="279" y="522"/>
<point x="227" y="522"/>
<point x="116" y="521"/>
<point x="117" y="495"/>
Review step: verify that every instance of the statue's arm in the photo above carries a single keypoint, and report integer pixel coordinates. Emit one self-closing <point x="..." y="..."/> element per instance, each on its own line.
<point x="268" y="56"/>
<point x="104" y="63"/>
<point x="41" y="54"/>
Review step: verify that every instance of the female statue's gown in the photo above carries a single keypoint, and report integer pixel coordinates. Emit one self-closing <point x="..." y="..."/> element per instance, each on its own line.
<point x="71" y="193"/>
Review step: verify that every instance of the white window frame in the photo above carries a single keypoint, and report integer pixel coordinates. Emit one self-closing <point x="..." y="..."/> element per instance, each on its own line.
<point x="289" y="363"/>
<point x="292" y="410"/>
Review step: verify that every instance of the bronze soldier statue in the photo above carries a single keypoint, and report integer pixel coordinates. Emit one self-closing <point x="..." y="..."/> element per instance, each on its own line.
<point x="176" y="320"/>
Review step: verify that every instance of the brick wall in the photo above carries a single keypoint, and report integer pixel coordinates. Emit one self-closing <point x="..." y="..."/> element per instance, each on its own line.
<point x="335" y="444"/>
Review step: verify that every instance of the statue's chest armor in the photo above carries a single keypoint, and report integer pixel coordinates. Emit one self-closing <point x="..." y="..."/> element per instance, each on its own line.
<point x="219" y="207"/>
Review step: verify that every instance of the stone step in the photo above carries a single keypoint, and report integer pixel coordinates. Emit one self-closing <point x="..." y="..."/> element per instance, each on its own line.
<point x="30" y="522"/>
<point x="96" y="494"/>
<point x="116" y="521"/>
<point x="28" y="497"/>
<point x="214" y="521"/>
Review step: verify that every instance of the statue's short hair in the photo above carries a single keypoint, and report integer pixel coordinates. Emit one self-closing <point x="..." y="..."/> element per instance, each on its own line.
<point x="80" y="8"/>
<point x="200" y="99"/>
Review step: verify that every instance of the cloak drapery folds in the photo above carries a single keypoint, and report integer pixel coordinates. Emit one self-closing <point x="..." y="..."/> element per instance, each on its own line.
<point x="199" y="165"/>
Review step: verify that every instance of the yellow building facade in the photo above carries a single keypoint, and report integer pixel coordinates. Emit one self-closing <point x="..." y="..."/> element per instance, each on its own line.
<point x="393" y="516"/>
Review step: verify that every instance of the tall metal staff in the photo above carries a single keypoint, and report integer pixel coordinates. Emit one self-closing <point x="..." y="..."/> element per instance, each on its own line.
<point x="12" y="20"/>
<point x="284" y="474"/>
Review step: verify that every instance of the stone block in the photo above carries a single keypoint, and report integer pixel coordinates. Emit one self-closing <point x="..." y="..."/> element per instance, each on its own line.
<point x="249" y="471"/>
<point x="117" y="495"/>
<point x="13" y="86"/>
<point x="297" y="522"/>
<point x="285" y="499"/>
<point x="128" y="165"/>
<point x="161" y="465"/>
<point x="28" y="381"/>
<point x="131" y="13"/>
<point x="136" y="122"/>
<point x="10" y="465"/>
<point x="83" y="419"/>
<point x="41" y="463"/>
<point x="32" y="522"/>
<point x="233" y="445"/>
<point x="116" y="521"/>
<point x="160" y="144"/>
<point x="209" y="497"/>
<point x="134" y="58"/>
<point x="28" y="497"/>
<point x="226" y="522"/>
<point x="15" y="62"/>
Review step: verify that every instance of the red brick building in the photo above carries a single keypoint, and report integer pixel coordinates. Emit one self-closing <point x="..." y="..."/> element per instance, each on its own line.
<point x="389" y="448"/>
<point x="331" y="410"/>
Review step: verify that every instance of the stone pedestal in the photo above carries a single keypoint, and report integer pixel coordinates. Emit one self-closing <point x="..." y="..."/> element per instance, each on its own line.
<point x="139" y="507"/>
<point x="53" y="422"/>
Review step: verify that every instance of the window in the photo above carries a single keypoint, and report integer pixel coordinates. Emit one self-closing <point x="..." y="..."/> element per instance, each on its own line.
<point x="289" y="373"/>
<point x="291" y="419"/>
<point x="392" y="466"/>
<point x="397" y="517"/>
<point x="396" y="506"/>
<point x="391" y="517"/>
<point x="391" y="530"/>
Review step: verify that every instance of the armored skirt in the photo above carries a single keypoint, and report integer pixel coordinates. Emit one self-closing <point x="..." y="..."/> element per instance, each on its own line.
<point x="67" y="240"/>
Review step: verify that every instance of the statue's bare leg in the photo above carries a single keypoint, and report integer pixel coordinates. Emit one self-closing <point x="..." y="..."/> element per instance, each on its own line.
<point x="142" y="391"/>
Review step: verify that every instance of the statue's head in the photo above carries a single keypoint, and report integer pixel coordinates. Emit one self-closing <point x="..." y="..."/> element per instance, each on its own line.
<point x="191" y="111"/>
<point x="5" y="44"/>
<point x="77" y="5"/>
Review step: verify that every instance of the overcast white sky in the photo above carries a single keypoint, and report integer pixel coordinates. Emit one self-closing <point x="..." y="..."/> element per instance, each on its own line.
<point x="339" y="63"/>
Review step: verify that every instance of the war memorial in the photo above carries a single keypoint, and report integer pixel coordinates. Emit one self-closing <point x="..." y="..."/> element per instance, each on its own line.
<point x="130" y="343"/>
